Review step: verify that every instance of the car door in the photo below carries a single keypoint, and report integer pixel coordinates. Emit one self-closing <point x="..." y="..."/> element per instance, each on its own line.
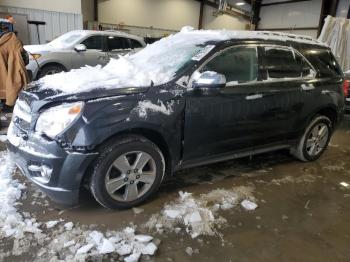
<point x="222" y="120"/>
<point x="117" y="45"/>
<point x="248" y="113"/>
<point x="290" y="81"/>
<point x="95" y="53"/>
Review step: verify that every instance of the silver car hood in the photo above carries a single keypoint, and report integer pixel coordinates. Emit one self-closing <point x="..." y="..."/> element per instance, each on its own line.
<point x="34" y="49"/>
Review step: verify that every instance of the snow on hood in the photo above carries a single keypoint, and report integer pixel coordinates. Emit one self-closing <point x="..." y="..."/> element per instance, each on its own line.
<point x="39" y="48"/>
<point x="156" y="63"/>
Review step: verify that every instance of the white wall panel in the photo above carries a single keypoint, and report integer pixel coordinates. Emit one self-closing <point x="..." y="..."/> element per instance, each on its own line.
<point x="167" y="14"/>
<point x="291" y="15"/>
<point x="64" y="6"/>
<point x="57" y="23"/>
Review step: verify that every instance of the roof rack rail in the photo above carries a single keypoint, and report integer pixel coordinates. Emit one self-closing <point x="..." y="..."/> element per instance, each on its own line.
<point x="287" y="35"/>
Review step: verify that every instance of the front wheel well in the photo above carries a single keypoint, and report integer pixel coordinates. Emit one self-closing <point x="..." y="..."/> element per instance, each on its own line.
<point x="50" y="64"/>
<point x="154" y="136"/>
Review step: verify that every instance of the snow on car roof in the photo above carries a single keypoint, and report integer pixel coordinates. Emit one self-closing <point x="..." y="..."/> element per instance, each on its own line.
<point x="157" y="63"/>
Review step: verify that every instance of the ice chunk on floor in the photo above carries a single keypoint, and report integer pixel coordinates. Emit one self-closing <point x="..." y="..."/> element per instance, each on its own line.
<point x="106" y="247"/>
<point x="344" y="184"/>
<point x="135" y="257"/>
<point x="68" y="226"/>
<point x="150" y="249"/>
<point x="51" y="224"/>
<point x="85" y="249"/>
<point x="172" y="213"/>
<point x="143" y="238"/>
<point x="198" y="215"/>
<point x="249" y="205"/>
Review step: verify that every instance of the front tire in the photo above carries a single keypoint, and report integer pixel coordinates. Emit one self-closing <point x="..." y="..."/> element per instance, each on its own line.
<point x="314" y="140"/>
<point x="50" y="70"/>
<point x="127" y="173"/>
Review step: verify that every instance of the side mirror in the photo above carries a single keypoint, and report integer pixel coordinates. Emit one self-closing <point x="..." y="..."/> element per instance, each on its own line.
<point x="80" y="48"/>
<point x="209" y="79"/>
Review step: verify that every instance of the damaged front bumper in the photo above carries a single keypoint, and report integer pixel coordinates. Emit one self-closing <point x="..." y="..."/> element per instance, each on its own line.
<point x="54" y="170"/>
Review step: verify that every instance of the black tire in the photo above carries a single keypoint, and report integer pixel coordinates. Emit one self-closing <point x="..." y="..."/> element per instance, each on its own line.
<point x="111" y="153"/>
<point x="50" y="70"/>
<point x="300" y="151"/>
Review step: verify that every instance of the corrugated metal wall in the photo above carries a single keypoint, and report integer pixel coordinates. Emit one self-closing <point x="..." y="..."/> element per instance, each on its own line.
<point x="56" y="23"/>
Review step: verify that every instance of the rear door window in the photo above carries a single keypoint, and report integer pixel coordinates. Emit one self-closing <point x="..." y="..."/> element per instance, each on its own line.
<point x="284" y="63"/>
<point x="115" y="43"/>
<point x="324" y="61"/>
<point x="94" y="42"/>
<point x="237" y="64"/>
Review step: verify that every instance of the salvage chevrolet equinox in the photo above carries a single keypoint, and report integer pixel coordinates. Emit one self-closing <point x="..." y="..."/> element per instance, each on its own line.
<point x="193" y="98"/>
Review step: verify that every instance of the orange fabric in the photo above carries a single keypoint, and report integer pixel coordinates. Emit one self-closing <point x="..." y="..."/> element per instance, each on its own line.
<point x="13" y="74"/>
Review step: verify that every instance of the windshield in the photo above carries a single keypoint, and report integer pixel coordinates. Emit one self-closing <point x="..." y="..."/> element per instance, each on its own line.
<point x="67" y="39"/>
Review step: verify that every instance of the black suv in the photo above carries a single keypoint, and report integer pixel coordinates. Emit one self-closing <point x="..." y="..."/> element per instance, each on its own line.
<point x="230" y="96"/>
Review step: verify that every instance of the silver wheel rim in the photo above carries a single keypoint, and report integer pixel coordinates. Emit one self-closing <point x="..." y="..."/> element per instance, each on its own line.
<point x="130" y="176"/>
<point x="317" y="139"/>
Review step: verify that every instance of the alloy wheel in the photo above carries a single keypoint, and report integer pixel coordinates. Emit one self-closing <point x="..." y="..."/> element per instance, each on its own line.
<point x="130" y="176"/>
<point x="317" y="139"/>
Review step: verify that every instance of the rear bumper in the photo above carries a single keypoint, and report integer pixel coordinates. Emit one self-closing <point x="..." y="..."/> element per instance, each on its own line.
<point x="66" y="169"/>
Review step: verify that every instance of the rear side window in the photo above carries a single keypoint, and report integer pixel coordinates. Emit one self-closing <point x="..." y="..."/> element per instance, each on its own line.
<point x="285" y="63"/>
<point x="237" y="64"/>
<point x="324" y="62"/>
<point x="117" y="43"/>
<point x="94" y="42"/>
<point x="135" y="43"/>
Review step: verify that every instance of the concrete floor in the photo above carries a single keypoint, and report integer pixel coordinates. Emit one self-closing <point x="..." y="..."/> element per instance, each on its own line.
<point x="303" y="212"/>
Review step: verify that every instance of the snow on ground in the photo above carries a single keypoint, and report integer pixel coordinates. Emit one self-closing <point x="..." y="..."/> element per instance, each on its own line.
<point x="57" y="239"/>
<point x="200" y="215"/>
<point x="156" y="63"/>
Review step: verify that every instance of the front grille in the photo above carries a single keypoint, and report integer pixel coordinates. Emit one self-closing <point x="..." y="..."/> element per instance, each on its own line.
<point x="22" y="117"/>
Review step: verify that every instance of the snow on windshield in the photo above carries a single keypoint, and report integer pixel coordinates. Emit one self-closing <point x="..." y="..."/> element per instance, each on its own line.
<point x="156" y="63"/>
<point x="67" y="39"/>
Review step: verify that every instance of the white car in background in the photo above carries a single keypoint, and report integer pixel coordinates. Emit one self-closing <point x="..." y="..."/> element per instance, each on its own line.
<point x="79" y="48"/>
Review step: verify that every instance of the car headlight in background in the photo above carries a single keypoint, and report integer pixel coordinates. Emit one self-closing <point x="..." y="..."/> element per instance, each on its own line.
<point x="34" y="56"/>
<point x="55" y="120"/>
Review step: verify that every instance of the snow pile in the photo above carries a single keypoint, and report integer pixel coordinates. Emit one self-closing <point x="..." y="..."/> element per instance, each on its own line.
<point x="78" y="244"/>
<point x="199" y="216"/>
<point x="156" y="63"/>
<point x="12" y="223"/>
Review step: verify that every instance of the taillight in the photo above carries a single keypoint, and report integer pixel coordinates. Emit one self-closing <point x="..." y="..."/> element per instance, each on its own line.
<point x="346" y="88"/>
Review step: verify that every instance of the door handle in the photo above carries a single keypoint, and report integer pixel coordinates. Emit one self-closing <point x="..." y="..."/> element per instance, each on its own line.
<point x="307" y="87"/>
<point x="253" y="96"/>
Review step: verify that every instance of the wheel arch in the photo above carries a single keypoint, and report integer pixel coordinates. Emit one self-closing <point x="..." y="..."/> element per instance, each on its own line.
<point x="330" y="112"/>
<point x="55" y="63"/>
<point x="154" y="136"/>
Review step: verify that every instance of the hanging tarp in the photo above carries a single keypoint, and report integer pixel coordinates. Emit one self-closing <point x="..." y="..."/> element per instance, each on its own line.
<point x="336" y="34"/>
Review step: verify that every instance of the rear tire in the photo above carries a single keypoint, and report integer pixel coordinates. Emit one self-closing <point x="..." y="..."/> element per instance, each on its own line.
<point x="315" y="139"/>
<point x="127" y="172"/>
<point x="50" y="70"/>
